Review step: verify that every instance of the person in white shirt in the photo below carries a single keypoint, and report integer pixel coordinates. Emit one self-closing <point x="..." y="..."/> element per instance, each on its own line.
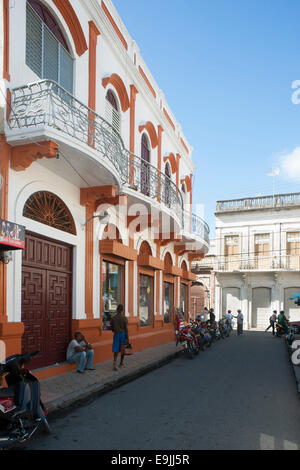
<point x="81" y="352"/>
<point x="229" y="319"/>
<point x="240" y="321"/>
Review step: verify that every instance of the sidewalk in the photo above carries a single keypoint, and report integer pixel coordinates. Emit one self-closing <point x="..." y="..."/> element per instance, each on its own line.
<point x="68" y="389"/>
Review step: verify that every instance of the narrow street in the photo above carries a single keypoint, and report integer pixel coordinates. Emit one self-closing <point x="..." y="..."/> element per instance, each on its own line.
<point x="240" y="394"/>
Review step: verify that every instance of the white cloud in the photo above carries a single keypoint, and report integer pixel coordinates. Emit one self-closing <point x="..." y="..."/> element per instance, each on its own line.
<point x="290" y="165"/>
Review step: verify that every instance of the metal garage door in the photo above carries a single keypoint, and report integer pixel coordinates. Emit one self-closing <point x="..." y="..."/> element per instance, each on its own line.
<point x="291" y="310"/>
<point x="261" y="307"/>
<point x="231" y="300"/>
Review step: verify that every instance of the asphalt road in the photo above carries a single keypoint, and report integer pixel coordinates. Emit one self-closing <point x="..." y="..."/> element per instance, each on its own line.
<point x="240" y="394"/>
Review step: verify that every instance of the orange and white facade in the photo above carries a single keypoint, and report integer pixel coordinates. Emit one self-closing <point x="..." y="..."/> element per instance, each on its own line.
<point x="95" y="166"/>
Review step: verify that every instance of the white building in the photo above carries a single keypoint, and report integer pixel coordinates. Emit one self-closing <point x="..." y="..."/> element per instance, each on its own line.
<point x="257" y="263"/>
<point x="85" y="130"/>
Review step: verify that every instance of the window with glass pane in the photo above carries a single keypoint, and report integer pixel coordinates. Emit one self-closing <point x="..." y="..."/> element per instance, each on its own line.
<point x="262" y="251"/>
<point x="293" y="250"/>
<point x="146" y="297"/>
<point x="232" y="252"/>
<point x="111" y="291"/>
<point x="184" y="300"/>
<point x="45" y="54"/>
<point x="168" y="302"/>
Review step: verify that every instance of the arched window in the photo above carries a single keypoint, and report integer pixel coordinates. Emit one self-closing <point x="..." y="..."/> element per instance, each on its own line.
<point x="49" y="209"/>
<point x="47" y="52"/>
<point x="145" y="167"/>
<point x="112" y="113"/>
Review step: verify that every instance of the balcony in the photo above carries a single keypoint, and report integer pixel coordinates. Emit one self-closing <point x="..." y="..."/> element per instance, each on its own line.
<point x="262" y="202"/>
<point x="44" y="110"/>
<point x="256" y="263"/>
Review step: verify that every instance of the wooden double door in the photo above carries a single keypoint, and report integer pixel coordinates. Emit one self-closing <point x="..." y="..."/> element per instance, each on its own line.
<point x="46" y="299"/>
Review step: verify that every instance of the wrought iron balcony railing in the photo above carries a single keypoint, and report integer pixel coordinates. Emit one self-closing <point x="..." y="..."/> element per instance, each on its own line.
<point x="47" y="104"/>
<point x="196" y="226"/>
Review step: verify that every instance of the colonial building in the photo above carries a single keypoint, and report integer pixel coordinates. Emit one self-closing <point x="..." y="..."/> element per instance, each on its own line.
<point x="97" y="171"/>
<point x="257" y="264"/>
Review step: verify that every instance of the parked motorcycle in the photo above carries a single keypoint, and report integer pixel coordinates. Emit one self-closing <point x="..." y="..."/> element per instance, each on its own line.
<point x="202" y="336"/>
<point x="214" y="331"/>
<point x="22" y="413"/>
<point x="186" y="337"/>
<point x="281" y="329"/>
<point x="223" y="329"/>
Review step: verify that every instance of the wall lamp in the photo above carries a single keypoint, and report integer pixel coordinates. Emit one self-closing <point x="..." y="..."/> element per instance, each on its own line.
<point x="103" y="218"/>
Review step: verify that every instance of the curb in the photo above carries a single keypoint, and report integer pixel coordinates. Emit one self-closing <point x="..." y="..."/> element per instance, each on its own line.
<point x="73" y="400"/>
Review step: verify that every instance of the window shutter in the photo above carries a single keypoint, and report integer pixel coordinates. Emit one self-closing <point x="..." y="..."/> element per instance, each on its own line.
<point x="66" y="70"/>
<point x="33" y="41"/>
<point x="112" y="116"/>
<point x="50" y="56"/>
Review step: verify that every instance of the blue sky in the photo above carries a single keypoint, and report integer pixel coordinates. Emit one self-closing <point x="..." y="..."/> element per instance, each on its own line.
<point x="226" y="68"/>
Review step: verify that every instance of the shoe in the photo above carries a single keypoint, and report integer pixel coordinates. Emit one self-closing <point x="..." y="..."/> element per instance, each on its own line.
<point x="121" y="365"/>
<point x="80" y="371"/>
<point x="90" y="368"/>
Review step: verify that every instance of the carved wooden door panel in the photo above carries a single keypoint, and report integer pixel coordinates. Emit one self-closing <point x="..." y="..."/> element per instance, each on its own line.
<point x="46" y="299"/>
<point x="33" y="308"/>
<point x="58" y="315"/>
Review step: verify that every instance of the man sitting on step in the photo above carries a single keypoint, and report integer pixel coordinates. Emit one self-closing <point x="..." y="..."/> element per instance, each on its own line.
<point x="80" y="352"/>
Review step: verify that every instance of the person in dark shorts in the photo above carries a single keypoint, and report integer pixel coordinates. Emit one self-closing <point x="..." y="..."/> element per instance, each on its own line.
<point x="119" y="326"/>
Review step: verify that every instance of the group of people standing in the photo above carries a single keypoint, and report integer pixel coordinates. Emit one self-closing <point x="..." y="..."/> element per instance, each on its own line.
<point x="228" y="317"/>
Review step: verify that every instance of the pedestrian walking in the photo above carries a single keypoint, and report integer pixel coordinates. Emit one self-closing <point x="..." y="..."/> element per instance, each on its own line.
<point x="272" y="321"/>
<point x="119" y="326"/>
<point x="81" y="352"/>
<point x="240" y="321"/>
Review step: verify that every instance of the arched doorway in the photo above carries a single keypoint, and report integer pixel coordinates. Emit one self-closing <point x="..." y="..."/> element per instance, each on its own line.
<point x="47" y="267"/>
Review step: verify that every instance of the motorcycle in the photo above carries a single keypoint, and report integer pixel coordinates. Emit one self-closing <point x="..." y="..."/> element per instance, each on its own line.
<point x="202" y="337"/>
<point x="281" y="329"/>
<point x="186" y="337"/>
<point x="214" y="331"/>
<point x="22" y="413"/>
<point x="224" y="331"/>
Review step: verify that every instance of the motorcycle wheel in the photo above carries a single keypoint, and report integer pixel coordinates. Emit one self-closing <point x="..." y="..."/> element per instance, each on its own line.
<point x="189" y="351"/>
<point x="44" y="422"/>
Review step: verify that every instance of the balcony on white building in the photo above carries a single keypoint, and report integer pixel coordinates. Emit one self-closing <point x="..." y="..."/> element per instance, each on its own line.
<point x="88" y="144"/>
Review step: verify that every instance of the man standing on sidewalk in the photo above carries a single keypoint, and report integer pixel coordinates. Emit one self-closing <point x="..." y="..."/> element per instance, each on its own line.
<point x="119" y="327"/>
<point x="240" y="321"/>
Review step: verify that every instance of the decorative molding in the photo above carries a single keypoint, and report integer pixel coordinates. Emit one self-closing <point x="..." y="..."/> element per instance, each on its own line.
<point x="74" y="25"/>
<point x="116" y="248"/>
<point x="147" y="82"/>
<point x="171" y="158"/>
<point x="113" y="23"/>
<point x="116" y="81"/>
<point x="169" y="119"/>
<point x="24" y="155"/>
<point x="149" y="127"/>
